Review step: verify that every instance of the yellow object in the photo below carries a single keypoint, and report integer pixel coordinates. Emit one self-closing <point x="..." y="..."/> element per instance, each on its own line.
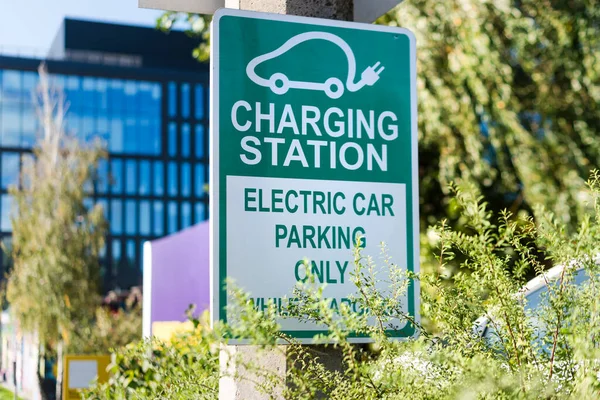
<point x="165" y="330"/>
<point x="81" y="371"/>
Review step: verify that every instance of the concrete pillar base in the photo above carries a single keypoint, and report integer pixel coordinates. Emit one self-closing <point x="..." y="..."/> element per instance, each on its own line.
<point x="240" y="383"/>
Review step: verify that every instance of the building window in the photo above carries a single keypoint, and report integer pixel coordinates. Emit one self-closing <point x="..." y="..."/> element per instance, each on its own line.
<point x="116" y="251"/>
<point x="73" y="93"/>
<point x="145" y="136"/>
<point x="102" y="129"/>
<point x="131" y="252"/>
<point x="29" y="126"/>
<point x="172" y="139"/>
<point x="200" y="180"/>
<point x="145" y="96"/>
<point x="12" y="87"/>
<point x="145" y="217"/>
<point x="116" y="136"/>
<point x="130" y="217"/>
<point x="199" y="141"/>
<point x="199" y="212"/>
<point x="130" y="177"/>
<point x="88" y="127"/>
<point x="172" y="99"/>
<point x="116" y="217"/>
<point x="116" y="174"/>
<point x="30" y="81"/>
<point x="159" y="187"/>
<point x="156" y="97"/>
<point x="6" y="212"/>
<point x="172" y="217"/>
<point x="89" y="93"/>
<point x="10" y="169"/>
<point x="130" y="136"/>
<point x="155" y="135"/>
<point x="102" y="181"/>
<point x="73" y="123"/>
<point x="185" y="100"/>
<point x="11" y="125"/>
<point x="186" y="179"/>
<point x="199" y="102"/>
<point x="186" y="215"/>
<point x="172" y="179"/>
<point x="144" y="178"/>
<point x="88" y="203"/>
<point x="159" y="211"/>
<point x="116" y="97"/>
<point x="102" y="94"/>
<point x="185" y="140"/>
<point x="131" y="97"/>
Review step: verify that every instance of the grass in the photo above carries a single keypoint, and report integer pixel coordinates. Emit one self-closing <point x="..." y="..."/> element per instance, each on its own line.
<point x="6" y="394"/>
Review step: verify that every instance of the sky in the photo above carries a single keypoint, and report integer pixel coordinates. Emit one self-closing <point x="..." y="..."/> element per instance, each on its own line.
<point x="29" y="26"/>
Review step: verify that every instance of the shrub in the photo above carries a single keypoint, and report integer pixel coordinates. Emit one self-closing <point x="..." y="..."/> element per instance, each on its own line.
<point x="184" y="368"/>
<point x="109" y="328"/>
<point x="447" y="361"/>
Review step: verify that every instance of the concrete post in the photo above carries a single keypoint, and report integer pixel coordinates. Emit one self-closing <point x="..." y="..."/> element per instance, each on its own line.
<point x="240" y="383"/>
<point x="329" y="9"/>
<point x="276" y="362"/>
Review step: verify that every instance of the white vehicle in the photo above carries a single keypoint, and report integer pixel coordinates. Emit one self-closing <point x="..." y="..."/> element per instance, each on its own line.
<point x="333" y="87"/>
<point x="535" y="294"/>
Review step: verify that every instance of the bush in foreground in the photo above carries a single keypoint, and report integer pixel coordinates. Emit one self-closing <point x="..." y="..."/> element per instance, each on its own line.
<point x="454" y="363"/>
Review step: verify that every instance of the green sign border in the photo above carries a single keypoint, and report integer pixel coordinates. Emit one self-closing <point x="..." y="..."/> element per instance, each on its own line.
<point x="218" y="256"/>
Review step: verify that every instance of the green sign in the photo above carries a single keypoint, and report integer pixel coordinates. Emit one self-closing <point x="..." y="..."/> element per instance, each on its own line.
<point x="313" y="142"/>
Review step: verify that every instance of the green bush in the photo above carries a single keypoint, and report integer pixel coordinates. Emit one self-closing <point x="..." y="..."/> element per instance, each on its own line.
<point x="108" y="329"/>
<point x="447" y="361"/>
<point x="185" y="368"/>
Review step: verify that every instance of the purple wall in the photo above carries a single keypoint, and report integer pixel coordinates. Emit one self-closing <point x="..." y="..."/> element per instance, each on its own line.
<point x="180" y="274"/>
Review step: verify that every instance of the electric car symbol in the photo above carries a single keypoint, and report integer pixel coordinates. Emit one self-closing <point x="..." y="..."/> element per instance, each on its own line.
<point x="333" y="87"/>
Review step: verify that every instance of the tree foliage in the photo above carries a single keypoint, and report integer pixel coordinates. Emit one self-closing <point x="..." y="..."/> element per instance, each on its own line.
<point x="56" y="238"/>
<point x="508" y="94"/>
<point x="185" y="368"/>
<point x="509" y="99"/>
<point x="54" y="282"/>
<point x="109" y="328"/>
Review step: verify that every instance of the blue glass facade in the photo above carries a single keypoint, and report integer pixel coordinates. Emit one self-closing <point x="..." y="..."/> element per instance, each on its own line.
<point x="154" y="125"/>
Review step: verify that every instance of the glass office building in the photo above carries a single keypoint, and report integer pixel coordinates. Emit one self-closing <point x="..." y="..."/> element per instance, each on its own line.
<point x="140" y="91"/>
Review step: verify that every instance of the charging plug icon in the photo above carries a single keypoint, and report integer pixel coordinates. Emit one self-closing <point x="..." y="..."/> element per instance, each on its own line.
<point x="333" y="87"/>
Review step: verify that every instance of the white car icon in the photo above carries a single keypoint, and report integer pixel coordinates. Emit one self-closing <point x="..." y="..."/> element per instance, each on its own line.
<point x="333" y="87"/>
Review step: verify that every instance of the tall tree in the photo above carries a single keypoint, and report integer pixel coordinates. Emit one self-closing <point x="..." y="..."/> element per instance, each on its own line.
<point x="508" y="93"/>
<point x="509" y="99"/>
<point x="56" y="239"/>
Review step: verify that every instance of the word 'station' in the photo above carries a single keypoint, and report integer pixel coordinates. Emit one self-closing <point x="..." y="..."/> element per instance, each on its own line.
<point x="313" y="153"/>
<point x="321" y="129"/>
